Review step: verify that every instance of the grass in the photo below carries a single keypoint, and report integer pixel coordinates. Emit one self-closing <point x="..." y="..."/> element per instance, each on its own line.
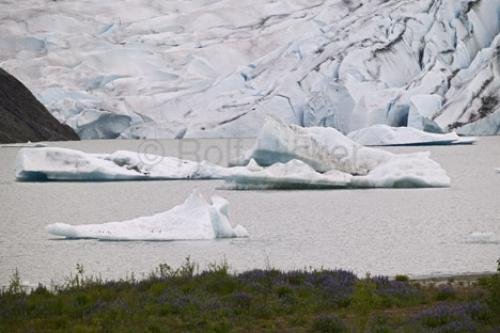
<point x="214" y="300"/>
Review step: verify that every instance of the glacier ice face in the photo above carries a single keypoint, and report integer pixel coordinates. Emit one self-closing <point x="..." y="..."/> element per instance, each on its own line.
<point x="50" y="164"/>
<point x="383" y="135"/>
<point x="195" y="219"/>
<point x="489" y="125"/>
<point x="423" y="108"/>
<point x="165" y="69"/>
<point x="324" y="157"/>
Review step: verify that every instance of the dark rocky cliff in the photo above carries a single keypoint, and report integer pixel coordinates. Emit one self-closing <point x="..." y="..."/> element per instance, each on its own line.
<point x="23" y="118"/>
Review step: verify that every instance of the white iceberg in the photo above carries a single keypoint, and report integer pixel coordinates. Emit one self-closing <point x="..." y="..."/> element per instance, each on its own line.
<point x="330" y="157"/>
<point x="294" y="174"/>
<point x="285" y="156"/>
<point x="324" y="149"/>
<point x="383" y="135"/>
<point x="53" y="163"/>
<point x="482" y="238"/>
<point x="404" y="171"/>
<point x="195" y="219"/>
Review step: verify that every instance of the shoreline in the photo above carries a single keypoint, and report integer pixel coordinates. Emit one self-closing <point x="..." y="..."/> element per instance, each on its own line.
<point x="187" y="299"/>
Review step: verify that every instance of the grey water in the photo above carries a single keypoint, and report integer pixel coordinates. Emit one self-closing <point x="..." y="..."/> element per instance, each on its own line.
<point x="420" y="232"/>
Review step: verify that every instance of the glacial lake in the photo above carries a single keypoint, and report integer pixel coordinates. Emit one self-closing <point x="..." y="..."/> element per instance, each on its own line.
<point x="420" y="232"/>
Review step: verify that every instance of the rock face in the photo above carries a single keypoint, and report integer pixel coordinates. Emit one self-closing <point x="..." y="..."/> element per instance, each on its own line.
<point x="215" y="68"/>
<point x="23" y="118"/>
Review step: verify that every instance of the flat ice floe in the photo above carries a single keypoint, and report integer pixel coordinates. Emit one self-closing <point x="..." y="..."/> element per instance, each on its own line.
<point x="482" y="238"/>
<point x="51" y="164"/>
<point x="195" y="219"/>
<point x="330" y="157"/>
<point x="383" y="135"/>
<point x="24" y="145"/>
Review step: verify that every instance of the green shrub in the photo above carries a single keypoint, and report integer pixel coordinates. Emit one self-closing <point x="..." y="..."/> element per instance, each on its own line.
<point x="15" y="286"/>
<point x="365" y="298"/>
<point x="402" y="278"/>
<point x="328" y="324"/>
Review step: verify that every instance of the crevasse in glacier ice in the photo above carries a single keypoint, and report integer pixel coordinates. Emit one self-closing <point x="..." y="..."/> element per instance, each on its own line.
<point x="166" y="69"/>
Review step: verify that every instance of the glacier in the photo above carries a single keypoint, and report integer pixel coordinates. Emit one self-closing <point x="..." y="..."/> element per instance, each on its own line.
<point x="195" y="219"/>
<point x="383" y="135"/>
<point x="199" y="69"/>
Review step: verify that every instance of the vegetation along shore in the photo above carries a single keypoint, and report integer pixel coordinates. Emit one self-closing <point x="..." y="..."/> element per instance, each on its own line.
<point x="188" y="299"/>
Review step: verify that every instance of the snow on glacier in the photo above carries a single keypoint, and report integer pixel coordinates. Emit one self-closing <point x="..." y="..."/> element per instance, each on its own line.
<point x="165" y="69"/>
<point x="334" y="157"/>
<point x="383" y="135"/>
<point x="51" y="163"/>
<point x="195" y="219"/>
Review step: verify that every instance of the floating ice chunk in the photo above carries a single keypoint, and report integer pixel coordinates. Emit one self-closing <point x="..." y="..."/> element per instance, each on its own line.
<point x="324" y="149"/>
<point x="195" y="219"/>
<point x="294" y="174"/>
<point x="405" y="171"/>
<point x="383" y="135"/>
<point x="323" y="157"/>
<point x="482" y="238"/>
<point x="28" y="144"/>
<point x="52" y="164"/>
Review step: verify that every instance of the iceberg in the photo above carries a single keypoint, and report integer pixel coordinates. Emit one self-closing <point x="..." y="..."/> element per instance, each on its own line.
<point x="482" y="238"/>
<point x="404" y="171"/>
<point x="28" y="144"/>
<point x="294" y="174"/>
<point x="322" y="148"/>
<point x="329" y="159"/>
<point x="383" y="135"/>
<point x="60" y="164"/>
<point x="284" y="157"/>
<point x="195" y="219"/>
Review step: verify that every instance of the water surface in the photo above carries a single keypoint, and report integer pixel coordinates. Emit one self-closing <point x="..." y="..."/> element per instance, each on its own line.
<point x="409" y="231"/>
